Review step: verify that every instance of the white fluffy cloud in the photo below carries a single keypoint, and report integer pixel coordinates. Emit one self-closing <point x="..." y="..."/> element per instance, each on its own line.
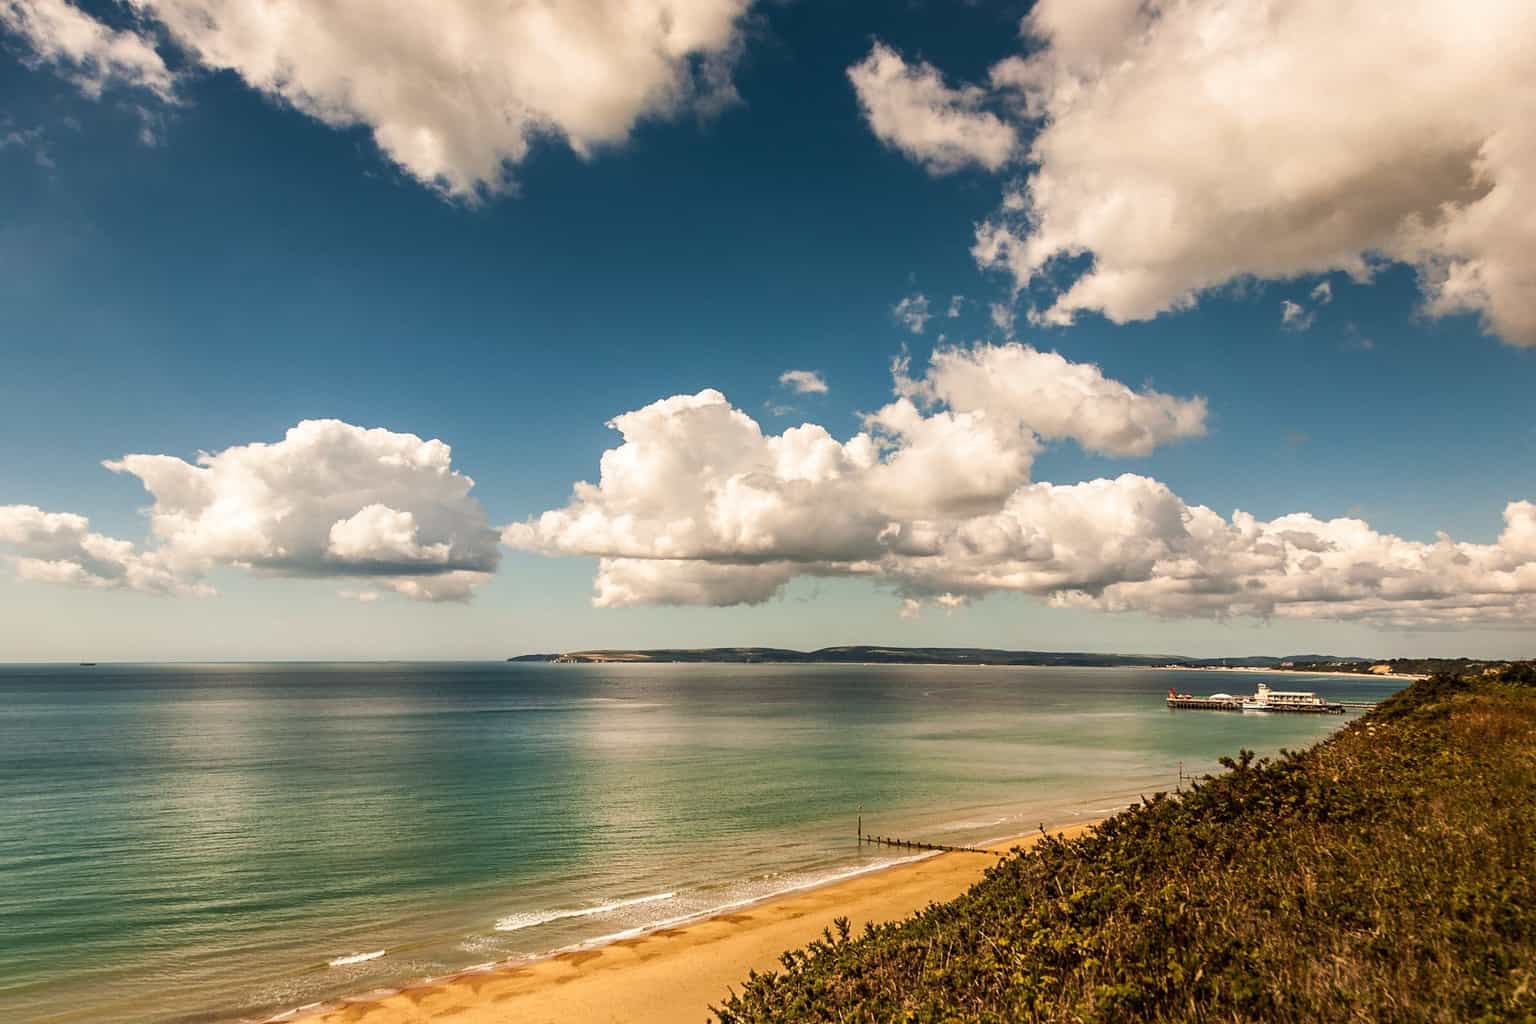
<point x="59" y="547"/>
<point x="699" y="505"/>
<point x="934" y="499"/>
<point x="1187" y="143"/>
<point x="453" y="91"/>
<point x="805" y="382"/>
<point x="1047" y="394"/>
<point x="89" y="53"/>
<point x="1130" y="544"/>
<point x="328" y="500"/>
<point x="1183" y="144"/>
<point x="910" y="108"/>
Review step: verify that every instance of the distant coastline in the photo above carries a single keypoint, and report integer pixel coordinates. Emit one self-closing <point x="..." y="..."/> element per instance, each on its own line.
<point x="1392" y="668"/>
<point x="1309" y="670"/>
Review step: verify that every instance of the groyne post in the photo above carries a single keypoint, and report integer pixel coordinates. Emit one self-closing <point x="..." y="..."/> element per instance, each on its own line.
<point x="914" y="844"/>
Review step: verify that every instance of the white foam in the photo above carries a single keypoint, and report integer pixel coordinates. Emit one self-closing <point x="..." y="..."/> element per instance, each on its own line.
<point x="354" y="958"/>
<point x="960" y="826"/>
<point x="814" y="882"/>
<point x="517" y="922"/>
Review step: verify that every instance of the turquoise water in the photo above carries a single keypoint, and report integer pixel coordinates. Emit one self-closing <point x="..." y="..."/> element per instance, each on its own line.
<point x="228" y="842"/>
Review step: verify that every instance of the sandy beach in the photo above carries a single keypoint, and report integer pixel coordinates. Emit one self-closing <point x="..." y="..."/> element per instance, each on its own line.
<point x="674" y="974"/>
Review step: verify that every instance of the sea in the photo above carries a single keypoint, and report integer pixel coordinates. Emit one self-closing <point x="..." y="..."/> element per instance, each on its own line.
<point x="231" y="842"/>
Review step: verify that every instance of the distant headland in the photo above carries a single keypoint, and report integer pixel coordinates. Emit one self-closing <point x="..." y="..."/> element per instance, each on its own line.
<point x="883" y="655"/>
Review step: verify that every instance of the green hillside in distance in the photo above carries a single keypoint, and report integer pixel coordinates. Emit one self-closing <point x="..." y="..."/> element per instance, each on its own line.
<point x="887" y="655"/>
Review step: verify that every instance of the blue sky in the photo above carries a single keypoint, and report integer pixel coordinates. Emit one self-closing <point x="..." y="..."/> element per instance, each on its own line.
<point x="204" y="271"/>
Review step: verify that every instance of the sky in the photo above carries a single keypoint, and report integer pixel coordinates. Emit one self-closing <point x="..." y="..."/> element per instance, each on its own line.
<point x="484" y="329"/>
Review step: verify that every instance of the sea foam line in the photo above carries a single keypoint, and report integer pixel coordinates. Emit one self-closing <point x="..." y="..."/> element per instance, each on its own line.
<point x="517" y="922"/>
<point x="816" y="881"/>
<point x="354" y="958"/>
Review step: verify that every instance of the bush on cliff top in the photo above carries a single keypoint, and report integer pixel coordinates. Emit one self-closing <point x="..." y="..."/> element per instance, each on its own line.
<point x="1384" y="875"/>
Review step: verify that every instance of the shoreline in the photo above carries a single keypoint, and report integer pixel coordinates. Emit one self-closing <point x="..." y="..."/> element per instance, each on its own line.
<point x="1299" y="672"/>
<point x="672" y="971"/>
<point x="992" y="664"/>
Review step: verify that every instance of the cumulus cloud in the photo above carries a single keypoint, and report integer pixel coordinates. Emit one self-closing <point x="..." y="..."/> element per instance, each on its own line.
<point x="805" y="382"/>
<point x="1044" y="393"/>
<point x="934" y="500"/>
<point x="378" y="532"/>
<point x="87" y="52"/>
<point x="956" y="304"/>
<point x="455" y="585"/>
<point x="455" y="92"/>
<point x="328" y="500"/>
<point x="912" y="312"/>
<point x="631" y="581"/>
<point x="911" y="109"/>
<point x="60" y="547"/>
<point x="1188" y="143"/>
<point x="699" y="505"/>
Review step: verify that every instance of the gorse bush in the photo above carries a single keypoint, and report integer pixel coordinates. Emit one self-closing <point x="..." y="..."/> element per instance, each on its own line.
<point x="1384" y="875"/>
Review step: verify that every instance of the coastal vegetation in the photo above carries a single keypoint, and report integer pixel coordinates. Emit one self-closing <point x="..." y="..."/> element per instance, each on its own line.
<point x="1383" y="875"/>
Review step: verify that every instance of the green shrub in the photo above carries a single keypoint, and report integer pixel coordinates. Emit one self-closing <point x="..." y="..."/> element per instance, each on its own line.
<point x="1380" y="876"/>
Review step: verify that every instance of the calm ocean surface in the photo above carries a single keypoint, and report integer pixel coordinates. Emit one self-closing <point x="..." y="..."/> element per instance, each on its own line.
<point x="226" y="842"/>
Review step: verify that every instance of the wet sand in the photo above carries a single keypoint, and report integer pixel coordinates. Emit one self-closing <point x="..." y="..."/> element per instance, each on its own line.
<point x="674" y="975"/>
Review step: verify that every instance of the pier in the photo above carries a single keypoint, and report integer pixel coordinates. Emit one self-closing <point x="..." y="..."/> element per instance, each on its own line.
<point x="1205" y="703"/>
<point x="1236" y="704"/>
<point x="1266" y="700"/>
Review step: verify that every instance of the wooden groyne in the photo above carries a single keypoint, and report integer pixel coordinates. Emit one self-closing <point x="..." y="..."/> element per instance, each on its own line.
<point x="913" y="844"/>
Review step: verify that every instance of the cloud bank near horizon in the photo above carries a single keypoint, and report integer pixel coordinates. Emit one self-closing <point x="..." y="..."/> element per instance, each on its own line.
<point x="330" y="500"/>
<point x="933" y="499"/>
<point x="1180" y="145"/>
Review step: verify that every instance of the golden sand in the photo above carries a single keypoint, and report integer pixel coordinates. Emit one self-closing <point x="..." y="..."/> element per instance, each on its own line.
<point x="674" y="975"/>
